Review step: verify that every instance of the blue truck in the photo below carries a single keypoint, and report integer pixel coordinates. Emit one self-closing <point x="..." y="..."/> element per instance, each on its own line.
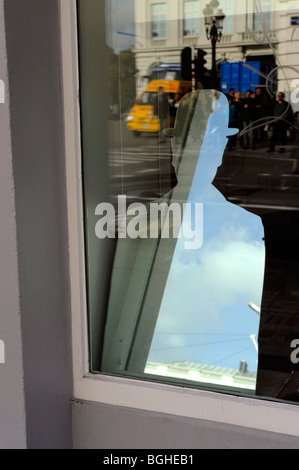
<point x="246" y="75"/>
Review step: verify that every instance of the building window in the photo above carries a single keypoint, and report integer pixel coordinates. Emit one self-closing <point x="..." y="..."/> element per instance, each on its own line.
<point x="262" y="18"/>
<point x="191" y="20"/>
<point x="228" y="24"/>
<point x="159" y="21"/>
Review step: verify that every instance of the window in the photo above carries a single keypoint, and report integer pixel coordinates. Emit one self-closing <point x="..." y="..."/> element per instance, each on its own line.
<point x="191" y="20"/>
<point x="262" y="16"/>
<point x="147" y="98"/>
<point x="179" y="286"/>
<point x="159" y="20"/>
<point x="228" y="24"/>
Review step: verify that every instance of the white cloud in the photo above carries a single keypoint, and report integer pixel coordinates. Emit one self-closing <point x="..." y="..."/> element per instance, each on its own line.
<point x="211" y="291"/>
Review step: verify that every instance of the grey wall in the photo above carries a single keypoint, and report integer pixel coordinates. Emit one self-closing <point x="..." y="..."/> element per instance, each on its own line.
<point x="12" y="411"/>
<point x="99" y="426"/>
<point x="34" y="75"/>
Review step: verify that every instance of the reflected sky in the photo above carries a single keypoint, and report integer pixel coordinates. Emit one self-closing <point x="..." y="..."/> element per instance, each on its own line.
<point x="121" y="18"/>
<point x="204" y="316"/>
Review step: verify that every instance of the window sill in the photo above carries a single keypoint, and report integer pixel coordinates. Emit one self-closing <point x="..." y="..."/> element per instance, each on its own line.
<point x="185" y="402"/>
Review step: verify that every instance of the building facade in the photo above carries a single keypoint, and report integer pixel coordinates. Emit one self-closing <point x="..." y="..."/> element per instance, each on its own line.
<point x="252" y="31"/>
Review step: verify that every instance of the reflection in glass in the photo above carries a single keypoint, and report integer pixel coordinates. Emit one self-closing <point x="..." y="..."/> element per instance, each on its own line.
<point x="181" y="314"/>
<point x="191" y="19"/>
<point x="204" y="311"/>
<point x="194" y="288"/>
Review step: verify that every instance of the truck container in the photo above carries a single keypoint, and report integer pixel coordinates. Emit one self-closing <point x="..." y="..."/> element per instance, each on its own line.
<point x="237" y="75"/>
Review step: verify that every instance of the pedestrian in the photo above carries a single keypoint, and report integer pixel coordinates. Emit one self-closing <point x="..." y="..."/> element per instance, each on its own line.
<point x="232" y="121"/>
<point x="231" y="93"/>
<point x="264" y="110"/>
<point x="283" y="111"/>
<point x="161" y="110"/>
<point x="260" y="113"/>
<point x="174" y="106"/>
<point x="238" y="113"/>
<point x="271" y="100"/>
<point x="248" y="109"/>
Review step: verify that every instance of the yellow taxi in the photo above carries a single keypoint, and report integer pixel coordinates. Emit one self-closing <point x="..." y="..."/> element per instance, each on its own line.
<point x="141" y="117"/>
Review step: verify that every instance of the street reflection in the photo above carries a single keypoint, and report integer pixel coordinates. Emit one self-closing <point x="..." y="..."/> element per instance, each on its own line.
<point x="265" y="185"/>
<point x="199" y="327"/>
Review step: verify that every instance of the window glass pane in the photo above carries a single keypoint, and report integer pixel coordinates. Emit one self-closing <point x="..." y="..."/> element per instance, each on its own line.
<point x="262" y="21"/>
<point x="157" y="8"/>
<point x="192" y="233"/>
<point x="262" y="17"/>
<point x="228" y="27"/>
<point x="191" y="19"/>
<point x="227" y="7"/>
<point x="159" y="27"/>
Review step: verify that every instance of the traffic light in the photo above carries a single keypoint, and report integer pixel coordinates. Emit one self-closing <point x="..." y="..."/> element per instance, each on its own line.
<point x="199" y="68"/>
<point x="186" y="64"/>
<point x="199" y="65"/>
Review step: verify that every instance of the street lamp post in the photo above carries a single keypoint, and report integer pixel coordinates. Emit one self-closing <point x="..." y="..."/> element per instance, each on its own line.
<point x="214" y="26"/>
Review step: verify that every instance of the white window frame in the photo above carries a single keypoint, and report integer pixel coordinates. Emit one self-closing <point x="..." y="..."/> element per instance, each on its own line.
<point x="229" y="12"/>
<point x="251" y="413"/>
<point x="158" y="21"/>
<point x="257" y="25"/>
<point x="194" y="19"/>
